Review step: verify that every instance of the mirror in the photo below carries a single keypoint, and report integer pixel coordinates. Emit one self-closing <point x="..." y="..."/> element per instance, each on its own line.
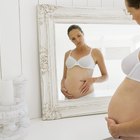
<point x="105" y="28"/>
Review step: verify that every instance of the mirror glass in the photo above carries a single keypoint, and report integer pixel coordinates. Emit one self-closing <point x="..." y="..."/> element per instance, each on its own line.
<point x="114" y="40"/>
<point x="106" y="29"/>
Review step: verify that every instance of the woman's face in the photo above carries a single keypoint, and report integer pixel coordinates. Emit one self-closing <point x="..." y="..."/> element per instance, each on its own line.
<point x="134" y="12"/>
<point x="76" y="37"/>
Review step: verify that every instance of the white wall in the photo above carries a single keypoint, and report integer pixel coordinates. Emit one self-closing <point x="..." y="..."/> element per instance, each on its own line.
<point x="29" y="44"/>
<point x="9" y="39"/>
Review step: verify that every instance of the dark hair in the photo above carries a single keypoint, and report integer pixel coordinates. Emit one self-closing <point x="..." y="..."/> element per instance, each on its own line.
<point x="74" y="27"/>
<point x="134" y="3"/>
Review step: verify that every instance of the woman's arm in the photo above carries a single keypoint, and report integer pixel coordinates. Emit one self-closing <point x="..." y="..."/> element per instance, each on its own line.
<point x="64" y="73"/>
<point x="123" y="130"/>
<point x="63" y="89"/>
<point x="98" y="58"/>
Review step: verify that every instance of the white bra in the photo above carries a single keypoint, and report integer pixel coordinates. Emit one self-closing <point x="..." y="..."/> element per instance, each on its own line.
<point x="131" y="65"/>
<point x="84" y="62"/>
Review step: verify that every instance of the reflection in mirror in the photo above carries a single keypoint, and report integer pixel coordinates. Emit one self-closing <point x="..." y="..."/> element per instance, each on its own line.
<point x="115" y="42"/>
<point x="105" y="29"/>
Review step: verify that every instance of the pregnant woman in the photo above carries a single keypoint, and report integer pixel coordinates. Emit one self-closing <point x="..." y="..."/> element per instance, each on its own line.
<point x="79" y="65"/>
<point x="124" y="108"/>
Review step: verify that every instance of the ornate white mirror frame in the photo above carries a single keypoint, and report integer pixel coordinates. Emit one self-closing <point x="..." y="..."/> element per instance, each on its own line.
<point x="48" y="16"/>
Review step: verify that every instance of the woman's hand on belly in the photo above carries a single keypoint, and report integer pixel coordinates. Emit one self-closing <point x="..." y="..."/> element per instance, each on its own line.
<point x="66" y="94"/>
<point x="117" y="131"/>
<point x="76" y="87"/>
<point x="84" y="88"/>
<point x="112" y="127"/>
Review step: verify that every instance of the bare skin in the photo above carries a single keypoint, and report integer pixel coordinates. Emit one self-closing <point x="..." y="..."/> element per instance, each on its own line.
<point x="124" y="105"/>
<point x="123" y="113"/>
<point x="75" y="81"/>
<point x="78" y="82"/>
<point x="135" y="13"/>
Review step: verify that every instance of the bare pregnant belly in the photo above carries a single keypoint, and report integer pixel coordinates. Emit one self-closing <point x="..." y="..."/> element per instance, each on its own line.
<point x="124" y="105"/>
<point x="73" y="81"/>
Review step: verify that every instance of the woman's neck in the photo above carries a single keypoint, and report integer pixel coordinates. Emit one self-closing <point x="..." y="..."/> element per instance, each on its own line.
<point x="82" y="48"/>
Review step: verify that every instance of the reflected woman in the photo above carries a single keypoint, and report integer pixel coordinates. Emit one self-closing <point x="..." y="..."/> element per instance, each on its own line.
<point x="79" y="65"/>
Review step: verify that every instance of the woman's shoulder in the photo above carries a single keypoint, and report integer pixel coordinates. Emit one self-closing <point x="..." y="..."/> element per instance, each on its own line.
<point x="96" y="54"/>
<point x="96" y="51"/>
<point x="67" y="53"/>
